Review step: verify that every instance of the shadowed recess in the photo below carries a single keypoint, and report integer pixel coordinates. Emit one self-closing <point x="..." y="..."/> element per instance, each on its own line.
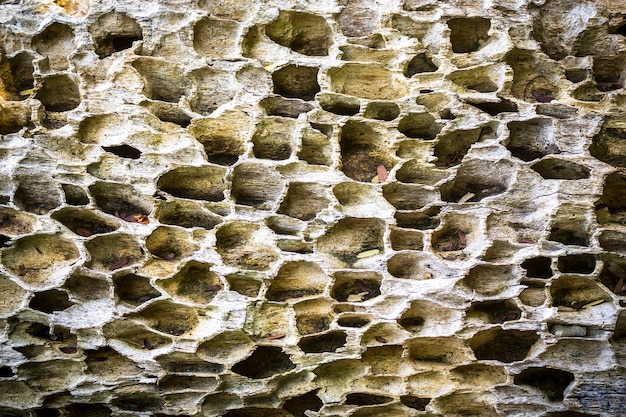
<point x="264" y="362"/>
<point x="551" y="382"/>
<point x="503" y="345"/>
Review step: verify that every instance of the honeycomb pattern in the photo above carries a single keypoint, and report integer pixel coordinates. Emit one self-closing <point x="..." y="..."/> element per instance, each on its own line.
<point x="339" y="208"/>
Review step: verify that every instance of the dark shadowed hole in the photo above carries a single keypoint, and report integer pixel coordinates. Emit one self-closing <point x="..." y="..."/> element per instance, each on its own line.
<point x="571" y="235"/>
<point x="139" y="402"/>
<point x="495" y="311"/>
<point x="353" y="321"/>
<point x="133" y="289"/>
<point x="50" y="301"/>
<point x="59" y="93"/>
<point x="264" y="362"/>
<point x="558" y="169"/>
<point x="467" y="34"/>
<point x="328" y="342"/>
<point x="424" y="220"/>
<point x="551" y="382"/>
<point x="539" y="267"/>
<point x="366" y="288"/>
<point x="501" y="106"/>
<point x="88" y="410"/>
<point x="419" y="125"/>
<point x="120" y="43"/>
<point x="381" y="110"/>
<point x="296" y="81"/>
<point x="123" y="151"/>
<point x="531" y="139"/>
<point x="343" y="108"/>
<point x="4" y="240"/>
<point x="419" y="64"/>
<point x="75" y="195"/>
<point x="503" y="345"/>
<point x="298" y="405"/>
<point x="578" y="264"/>
<point x="361" y="398"/>
<point x="576" y="75"/>
<point x="414" y="402"/>
<point x="6" y="372"/>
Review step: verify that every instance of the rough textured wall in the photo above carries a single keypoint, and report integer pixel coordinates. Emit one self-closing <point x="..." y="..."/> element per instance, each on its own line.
<point x="312" y="208"/>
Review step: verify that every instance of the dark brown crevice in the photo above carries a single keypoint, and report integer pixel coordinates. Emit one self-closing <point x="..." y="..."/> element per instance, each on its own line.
<point x="612" y="205"/>
<point x="256" y="185"/>
<point x="186" y="214"/>
<point x="297" y="279"/>
<point x="15" y="116"/>
<point x="75" y="195"/>
<point x="409" y="196"/>
<point x="355" y="321"/>
<point x="272" y="138"/>
<point x="351" y="236"/>
<point x="304" y="200"/>
<point x="607" y="72"/>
